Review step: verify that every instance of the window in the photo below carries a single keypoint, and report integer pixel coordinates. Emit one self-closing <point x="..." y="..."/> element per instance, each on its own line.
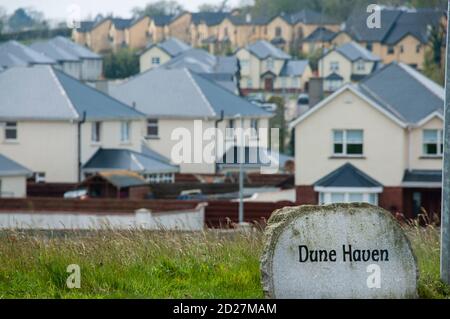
<point x="254" y="125"/>
<point x="278" y="32"/>
<point x="433" y="142"/>
<point x="39" y="177"/>
<point x="244" y="64"/>
<point x="390" y="49"/>
<point x="283" y="83"/>
<point x="11" y="131"/>
<point x="295" y="83"/>
<point x="96" y="132"/>
<point x="269" y="64"/>
<point x="334" y="66"/>
<point x="351" y="196"/>
<point x="249" y="83"/>
<point x="152" y="128"/>
<point x="156" y="60"/>
<point x="418" y="47"/>
<point x="160" y="178"/>
<point x="225" y="32"/>
<point x="360" y="65"/>
<point x="369" y="46"/>
<point x="125" y="131"/>
<point x="348" y="142"/>
<point x="402" y="48"/>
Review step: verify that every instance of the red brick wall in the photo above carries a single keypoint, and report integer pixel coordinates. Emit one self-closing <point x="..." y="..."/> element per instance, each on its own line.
<point x="391" y="199"/>
<point x="305" y="195"/>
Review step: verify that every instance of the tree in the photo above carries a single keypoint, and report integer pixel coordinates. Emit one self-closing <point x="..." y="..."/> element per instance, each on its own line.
<point x="161" y="7"/>
<point x="121" y="64"/>
<point x="207" y="7"/>
<point x="20" y="20"/>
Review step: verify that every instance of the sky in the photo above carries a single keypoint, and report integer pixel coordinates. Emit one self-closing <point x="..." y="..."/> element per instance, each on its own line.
<point x="58" y="9"/>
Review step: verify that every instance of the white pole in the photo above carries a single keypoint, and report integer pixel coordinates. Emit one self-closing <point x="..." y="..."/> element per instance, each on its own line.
<point x="241" y="174"/>
<point x="445" y="212"/>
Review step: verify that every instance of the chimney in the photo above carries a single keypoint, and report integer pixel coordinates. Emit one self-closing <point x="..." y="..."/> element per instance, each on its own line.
<point x="315" y="90"/>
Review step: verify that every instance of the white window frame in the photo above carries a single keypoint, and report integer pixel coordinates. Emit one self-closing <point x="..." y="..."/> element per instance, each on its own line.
<point x="334" y="66"/>
<point x="325" y="194"/>
<point x="152" y="123"/>
<point x="439" y="143"/>
<point x="11" y="126"/>
<point x="270" y="64"/>
<point x="96" y="132"/>
<point x="360" y="65"/>
<point x="157" y="178"/>
<point x="249" y="83"/>
<point x="156" y="60"/>
<point x="345" y="143"/>
<point x="125" y="131"/>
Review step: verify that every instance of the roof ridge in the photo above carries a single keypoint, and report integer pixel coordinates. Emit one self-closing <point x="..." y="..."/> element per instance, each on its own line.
<point x="189" y="74"/>
<point x="63" y="91"/>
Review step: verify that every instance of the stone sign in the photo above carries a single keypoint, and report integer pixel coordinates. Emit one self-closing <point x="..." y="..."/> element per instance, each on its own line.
<point x="337" y="251"/>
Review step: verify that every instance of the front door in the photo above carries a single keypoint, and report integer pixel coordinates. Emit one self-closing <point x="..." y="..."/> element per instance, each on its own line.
<point x="268" y="84"/>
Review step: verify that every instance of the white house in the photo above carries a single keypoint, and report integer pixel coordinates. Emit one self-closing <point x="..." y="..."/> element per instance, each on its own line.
<point x="347" y="63"/>
<point x="52" y="123"/>
<point x="178" y="99"/>
<point x="13" y="178"/>
<point x="264" y="67"/>
<point x="379" y="141"/>
<point x="156" y="54"/>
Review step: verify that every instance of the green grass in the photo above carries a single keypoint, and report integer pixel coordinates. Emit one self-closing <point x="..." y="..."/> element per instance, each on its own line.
<point x="138" y="264"/>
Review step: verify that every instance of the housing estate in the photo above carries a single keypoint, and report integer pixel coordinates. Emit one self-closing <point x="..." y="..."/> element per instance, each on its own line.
<point x="178" y="99"/>
<point x="378" y="141"/>
<point x="53" y="124"/>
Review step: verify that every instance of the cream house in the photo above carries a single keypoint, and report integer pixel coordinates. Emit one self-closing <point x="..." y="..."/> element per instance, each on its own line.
<point x="379" y="141"/>
<point x="403" y="36"/>
<point x="53" y="124"/>
<point x="157" y="54"/>
<point x="179" y="100"/>
<point x="13" y="178"/>
<point x="267" y="68"/>
<point x="347" y="63"/>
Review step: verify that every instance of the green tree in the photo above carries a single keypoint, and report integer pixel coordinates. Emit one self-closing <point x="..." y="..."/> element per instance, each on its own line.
<point x="161" y="7"/>
<point x="121" y="64"/>
<point x="279" y="121"/>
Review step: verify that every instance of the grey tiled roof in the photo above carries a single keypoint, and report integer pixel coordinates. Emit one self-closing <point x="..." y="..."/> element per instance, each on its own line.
<point x="42" y="92"/>
<point x="209" y="18"/>
<point x="404" y="92"/>
<point x="294" y="67"/>
<point x="8" y="167"/>
<point x="120" y="23"/>
<point x="73" y="48"/>
<point x="86" y="26"/>
<point x="172" y="46"/>
<point x="123" y="159"/>
<point x="54" y="52"/>
<point x="320" y="34"/>
<point x="395" y="24"/>
<point x="13" y="53"/>
<point x="347" y="175"/>
<point x="423" y="175"/>
<point x="162" y="20"/>
<point x="354" y="51"/>
<point x="182" y="93"/>
<point x="263" y="49"/>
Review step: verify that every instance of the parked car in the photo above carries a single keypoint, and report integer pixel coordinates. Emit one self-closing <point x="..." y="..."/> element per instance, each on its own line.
<point x="191" y="194"/>
<point x="76" y="194"/>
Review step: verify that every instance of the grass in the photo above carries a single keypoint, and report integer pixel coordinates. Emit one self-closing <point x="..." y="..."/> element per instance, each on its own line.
<point x="139" y="264"/>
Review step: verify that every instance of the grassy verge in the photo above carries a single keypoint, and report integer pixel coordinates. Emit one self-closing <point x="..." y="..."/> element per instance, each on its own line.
<point x="139" y="264"/>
